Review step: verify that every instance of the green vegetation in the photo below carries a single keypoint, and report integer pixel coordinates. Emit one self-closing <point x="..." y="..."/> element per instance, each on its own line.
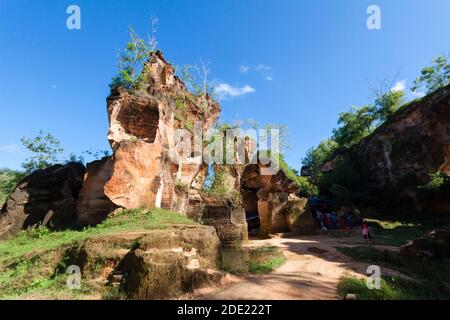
<point x="196" y="78"/>
<point x="392" y="288"/>
<point x="29" y="262"/>
<point x="387" y="104"/>
<point x="430" y="277"/>
<point x="217" y="184"/>
<point x="45" y="150"/>
<point x="397" y="233"/>
<point x="316" y="157"/>
<point x="131" y="61"/>
<point x="8" y="181"/>
<point x="305" y="185"/>
<point x="439" y="182"/>
<point x="265" y="259"/>
<point x="41" y="239"/>
<point x="355" y="125"/>
<point x="435" y="76"/>
<point x="181" y="187"/>
<point x="360" y="122"/>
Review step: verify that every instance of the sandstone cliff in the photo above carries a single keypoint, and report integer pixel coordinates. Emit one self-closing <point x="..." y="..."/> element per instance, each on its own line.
<point x="150" y="168"/>
<point x="142" y="172"/>
<point x="398" y="157"/>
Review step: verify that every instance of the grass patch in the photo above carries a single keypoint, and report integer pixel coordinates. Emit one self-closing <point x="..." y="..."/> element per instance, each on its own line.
<point x="265" y="259"/>
<point x="396" y="233"/>
<point x="29" y="262"/>
<point x="392" y="288"/>
<point x="42" y="239"/>
<point x="431" y="277"/>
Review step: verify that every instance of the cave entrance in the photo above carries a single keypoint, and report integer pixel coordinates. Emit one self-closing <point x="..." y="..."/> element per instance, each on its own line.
<point x="250" y="201"/>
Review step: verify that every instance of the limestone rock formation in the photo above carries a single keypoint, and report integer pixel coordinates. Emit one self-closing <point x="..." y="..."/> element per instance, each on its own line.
<point x="46" y="197"/>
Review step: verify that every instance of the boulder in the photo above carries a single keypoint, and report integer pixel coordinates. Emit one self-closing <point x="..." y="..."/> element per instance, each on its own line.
<point x="299" y="217"/>
<point x="167" y="263"/>
<point x="275" y="198"/>
<point x="153" y="264"/>
<point x="220" y="212"/>
<point x="47" y="197"/>
<point x="228" y="218"/>
<point x="93" y="204"/>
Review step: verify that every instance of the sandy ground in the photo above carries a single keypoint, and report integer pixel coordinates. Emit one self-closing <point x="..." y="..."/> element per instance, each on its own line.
<point x="312" y="271"/>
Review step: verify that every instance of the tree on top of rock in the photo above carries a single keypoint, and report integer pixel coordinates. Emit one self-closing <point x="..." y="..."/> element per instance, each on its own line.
<point x="132" y="59"/>
<point x="435" y="76"/>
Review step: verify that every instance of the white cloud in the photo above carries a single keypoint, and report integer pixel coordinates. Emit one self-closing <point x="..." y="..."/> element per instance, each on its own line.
<point x="10" y="148"/>
<point x="244" y="69"/>
<point x="268" y="78"/>
<point x="54" y="86"/>
<point x="224" y="90"/>
<point x="399" y="86"/>
<point x="261" y="67"/>
<point x="258" y="68"/>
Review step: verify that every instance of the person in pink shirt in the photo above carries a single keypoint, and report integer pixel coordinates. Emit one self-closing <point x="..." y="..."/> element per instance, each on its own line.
<point x="365" y="231"/>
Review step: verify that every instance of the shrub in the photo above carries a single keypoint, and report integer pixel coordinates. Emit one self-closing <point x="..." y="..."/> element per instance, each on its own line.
<point x="181" y="186"/>
<point x="132" y="60"/>
<point x="8" y="181"/>
<point x="438" y="182"/>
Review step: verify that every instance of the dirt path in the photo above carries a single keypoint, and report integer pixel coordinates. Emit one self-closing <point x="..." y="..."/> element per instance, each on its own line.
<point x="312" y="271"/>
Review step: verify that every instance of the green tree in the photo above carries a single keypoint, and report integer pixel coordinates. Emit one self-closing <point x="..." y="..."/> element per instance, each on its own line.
<point x="435" y="76"/>
<point x="315" y="157"/>
<point x="387" y="104"/>
<point x="355" y="125"/>
<point x="45" y="150"/>
<point x="132" y="59"/>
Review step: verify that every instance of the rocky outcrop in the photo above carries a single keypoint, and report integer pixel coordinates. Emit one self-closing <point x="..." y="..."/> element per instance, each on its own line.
<point x="164" y="264"/>
<point x="45" y="198"/>
<point x="435" y="244"/>
<point x="299" y="216"/>
<point x="398" y="157"/>
<point x="274" y="198"/>
<point x="152" y="264"/>
<point x="152" y="166"/>
<point x="144" y="171"/>
<point x="93" y="202"/>
<point x="227" y="216"/>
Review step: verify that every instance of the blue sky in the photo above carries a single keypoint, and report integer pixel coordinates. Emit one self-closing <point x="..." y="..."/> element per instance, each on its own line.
<point x="293" y="62"/>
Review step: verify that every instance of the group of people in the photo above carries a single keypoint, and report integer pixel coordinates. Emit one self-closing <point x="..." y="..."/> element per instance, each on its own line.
<point x="333" y="221"/>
